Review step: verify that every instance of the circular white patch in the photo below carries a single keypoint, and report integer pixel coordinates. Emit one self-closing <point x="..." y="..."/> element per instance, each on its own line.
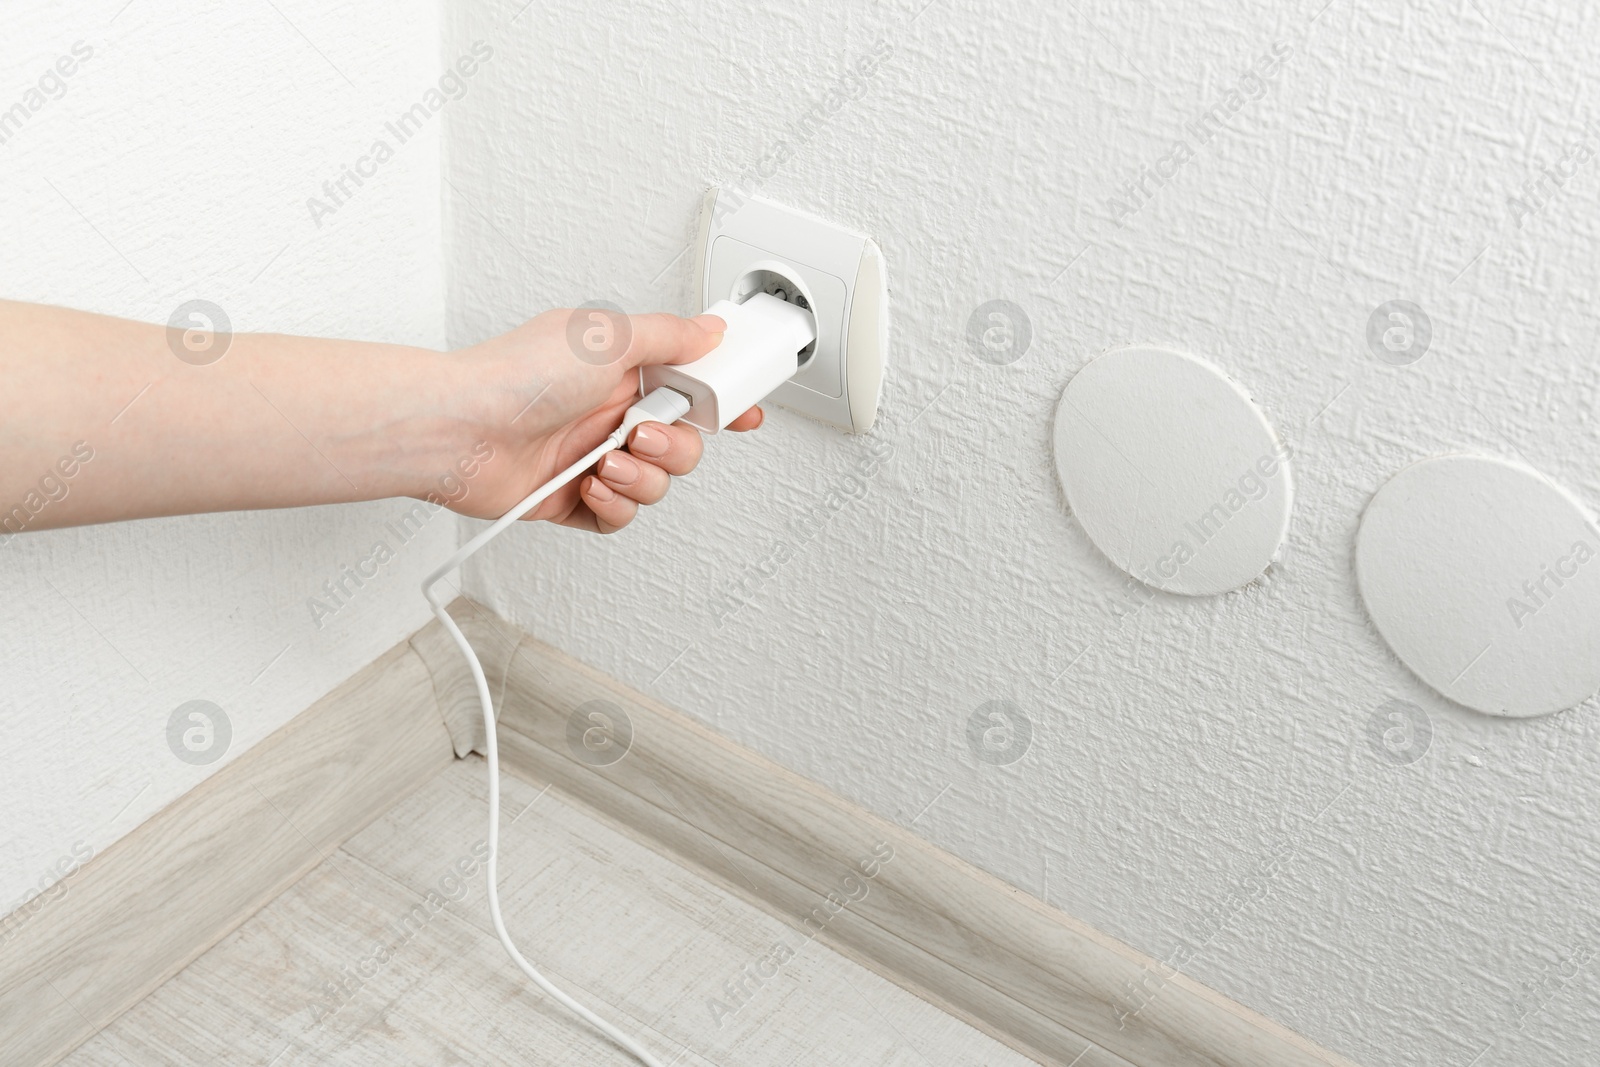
<point x="1483" y="577"/>
<point x="1172" y="471"/>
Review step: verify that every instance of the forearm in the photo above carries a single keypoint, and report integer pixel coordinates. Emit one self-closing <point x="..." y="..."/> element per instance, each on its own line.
<point x="276" y="422"/>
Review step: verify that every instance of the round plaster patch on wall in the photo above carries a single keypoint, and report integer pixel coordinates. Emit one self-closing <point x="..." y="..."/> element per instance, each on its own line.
<point x="1482" y="575"/>
<point x="1172" y="470"/>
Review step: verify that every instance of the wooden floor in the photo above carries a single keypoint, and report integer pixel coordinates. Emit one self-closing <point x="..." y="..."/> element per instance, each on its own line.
<point x="353" y="966"/>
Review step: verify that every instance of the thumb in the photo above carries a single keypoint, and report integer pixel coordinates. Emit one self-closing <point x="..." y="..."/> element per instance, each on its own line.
<point x="663" y="338"/>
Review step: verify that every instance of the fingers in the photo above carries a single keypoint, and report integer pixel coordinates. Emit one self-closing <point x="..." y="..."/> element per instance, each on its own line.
<point x="657" y="453"/>
<point x="675" y="449"/>
<point x="749" y="420"/>
<point x="663" y="338"/>
<point x="624" y="480"/>
<point x="643" y="483"/>
<point x="612" y="511"/>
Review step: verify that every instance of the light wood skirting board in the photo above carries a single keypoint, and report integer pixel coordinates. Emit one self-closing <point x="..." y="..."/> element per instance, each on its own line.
<point x="984" y="951"/>
<point x="1003" y="961"/>
<point x="134" y="915"/>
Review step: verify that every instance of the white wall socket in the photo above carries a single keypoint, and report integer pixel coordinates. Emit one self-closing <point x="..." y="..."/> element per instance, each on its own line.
<point x="750" y="245"/>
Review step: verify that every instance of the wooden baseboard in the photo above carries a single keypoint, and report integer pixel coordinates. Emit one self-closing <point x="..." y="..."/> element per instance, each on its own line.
<point x="1001" y="960"/>
<point x="1028" y="975"/>
<point x="136" y="914"/>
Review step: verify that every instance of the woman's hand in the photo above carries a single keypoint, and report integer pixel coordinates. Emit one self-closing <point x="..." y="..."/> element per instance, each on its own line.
<point x="107" y="419"/>
<point x="551" y="390"/>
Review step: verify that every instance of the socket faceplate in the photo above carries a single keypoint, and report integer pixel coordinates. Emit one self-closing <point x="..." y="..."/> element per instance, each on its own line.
<point x="839" y="272"/>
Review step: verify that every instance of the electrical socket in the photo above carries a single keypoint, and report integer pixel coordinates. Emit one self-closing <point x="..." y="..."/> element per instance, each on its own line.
<point x="749" y="245"/>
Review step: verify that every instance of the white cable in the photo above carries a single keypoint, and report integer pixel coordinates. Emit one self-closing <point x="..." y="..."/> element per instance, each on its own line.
<point x="662" y="405"/>
<point x="759" y="351"/>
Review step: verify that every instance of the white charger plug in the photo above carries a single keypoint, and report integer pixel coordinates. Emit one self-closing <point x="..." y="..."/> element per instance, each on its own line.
<point x="759" y="352"/>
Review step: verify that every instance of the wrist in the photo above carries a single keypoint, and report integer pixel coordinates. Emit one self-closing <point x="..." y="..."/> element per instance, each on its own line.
<point x="443" y="436"/>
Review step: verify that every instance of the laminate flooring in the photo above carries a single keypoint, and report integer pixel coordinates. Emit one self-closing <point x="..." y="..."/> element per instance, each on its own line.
<point x="384" y="954"/>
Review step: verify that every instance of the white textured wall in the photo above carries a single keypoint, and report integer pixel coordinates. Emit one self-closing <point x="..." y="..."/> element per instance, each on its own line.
<point x="1202" y="775"/>
<point x="177" y="165"/>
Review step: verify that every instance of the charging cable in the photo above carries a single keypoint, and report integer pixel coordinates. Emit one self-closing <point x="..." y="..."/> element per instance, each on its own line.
<point x="663" y="405"/>
<point x="758" y="352"/>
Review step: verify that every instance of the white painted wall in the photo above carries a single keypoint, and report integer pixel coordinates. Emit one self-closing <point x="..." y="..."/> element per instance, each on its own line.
<point x="1200" y="770"/>
<point x="177" y="164"/>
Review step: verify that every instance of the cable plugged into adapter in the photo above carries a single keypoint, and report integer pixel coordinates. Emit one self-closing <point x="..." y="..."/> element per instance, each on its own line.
<point x="758" y="352"/>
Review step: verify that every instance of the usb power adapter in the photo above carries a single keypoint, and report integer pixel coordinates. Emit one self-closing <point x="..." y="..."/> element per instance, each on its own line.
<point x="759" y="352"/>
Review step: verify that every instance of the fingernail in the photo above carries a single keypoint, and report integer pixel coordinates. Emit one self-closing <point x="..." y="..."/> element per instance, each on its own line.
<point x="600" y="491"/>
<point x="650" y="441"/>
<point x="619" y="469"/>
<point x="710" y="323"/>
